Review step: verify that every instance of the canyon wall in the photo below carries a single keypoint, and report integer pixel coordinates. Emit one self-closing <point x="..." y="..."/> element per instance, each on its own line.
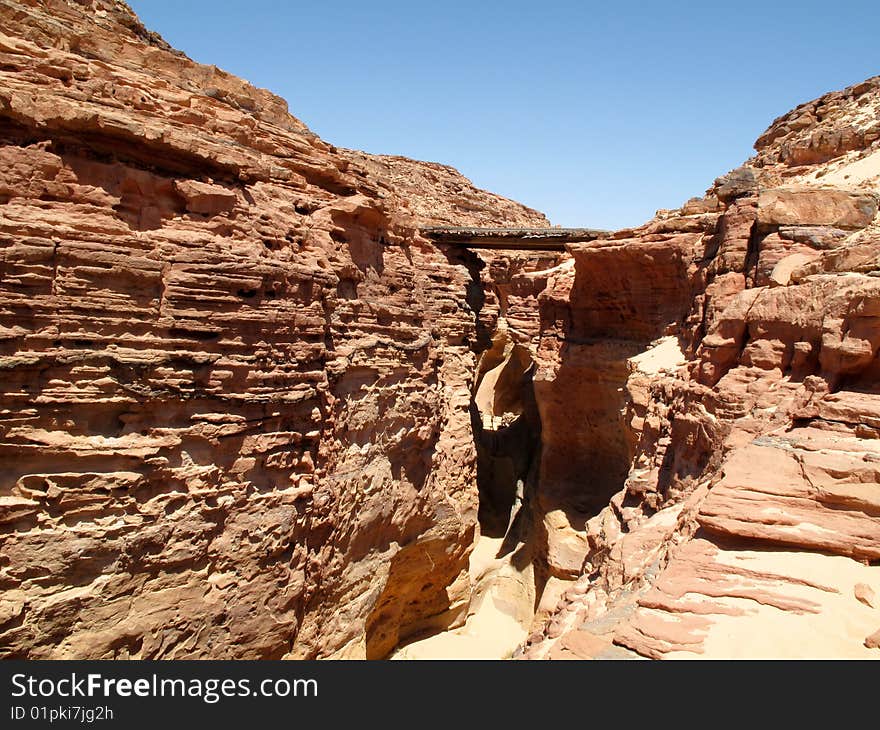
<point x="708" y="388"/>
<point x="248" y="411"/>
<point x="234" y="411"/>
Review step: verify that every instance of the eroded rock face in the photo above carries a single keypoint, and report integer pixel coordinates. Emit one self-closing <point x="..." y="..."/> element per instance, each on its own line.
<point x="737" y="370"/>
<point x="245" y="403"/>
<point x="824" y="129"/>
<point x="808" y="206"/>
<point x="234" y="412"/>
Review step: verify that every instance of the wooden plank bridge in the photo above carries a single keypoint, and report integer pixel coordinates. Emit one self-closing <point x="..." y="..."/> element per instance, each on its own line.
<point x="520" y="239"/>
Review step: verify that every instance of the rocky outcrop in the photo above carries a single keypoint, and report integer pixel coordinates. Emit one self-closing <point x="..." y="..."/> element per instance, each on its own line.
<point x="835" y="125"/>
<point x="234" y="412"/>
<point x="438" y="195"/>
<point x="713" y="382"/>
<point x="249" y="411"/>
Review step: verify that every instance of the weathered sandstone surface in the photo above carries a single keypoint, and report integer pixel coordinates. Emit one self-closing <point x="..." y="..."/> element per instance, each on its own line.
<point x="234" y="410"/>
<point x="248" y="411"/>
<point x="712" y="378"/>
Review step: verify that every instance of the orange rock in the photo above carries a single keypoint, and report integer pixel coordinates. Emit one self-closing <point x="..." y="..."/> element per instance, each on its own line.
<point x="807" y="206"/>
<point x="865" y="594"/>
<point x="244" y="401"/>
<point x="763" y="446"/>
<point x="236" y="380"/>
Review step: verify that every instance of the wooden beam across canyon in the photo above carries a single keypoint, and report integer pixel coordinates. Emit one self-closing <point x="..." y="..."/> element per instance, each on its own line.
<point x="528" y="239"/>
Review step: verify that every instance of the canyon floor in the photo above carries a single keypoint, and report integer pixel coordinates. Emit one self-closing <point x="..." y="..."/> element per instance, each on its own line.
<point x="251" y="407"/>
<point x="502" y="608"/>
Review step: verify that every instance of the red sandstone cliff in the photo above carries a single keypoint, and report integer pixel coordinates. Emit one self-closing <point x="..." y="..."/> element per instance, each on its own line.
<point x="713" y="378"/>
<point x="234" y="404"/>
<point x="246" y="408"/>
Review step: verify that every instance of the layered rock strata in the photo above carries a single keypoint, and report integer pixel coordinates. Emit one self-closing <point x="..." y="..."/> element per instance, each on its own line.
<point x="234" y="411"/>
<point x="248" y="411"/>
<point x="712" y="377"/>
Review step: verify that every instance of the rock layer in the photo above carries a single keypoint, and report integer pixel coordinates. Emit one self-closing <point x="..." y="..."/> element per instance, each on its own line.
<point x="743" y="516"/>
<point x="234" y="412"/>
<point x="249" y="411"/>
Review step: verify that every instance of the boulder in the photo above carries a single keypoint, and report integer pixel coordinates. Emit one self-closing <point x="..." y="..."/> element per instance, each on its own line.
<point x="811" y="206"/>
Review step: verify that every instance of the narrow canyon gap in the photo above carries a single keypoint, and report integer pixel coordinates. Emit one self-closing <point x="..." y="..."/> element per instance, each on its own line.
<point x="251" y="409"/>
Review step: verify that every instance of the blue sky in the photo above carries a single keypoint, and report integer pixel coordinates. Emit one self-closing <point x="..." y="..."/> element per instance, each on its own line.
<point x="595" y="113"/>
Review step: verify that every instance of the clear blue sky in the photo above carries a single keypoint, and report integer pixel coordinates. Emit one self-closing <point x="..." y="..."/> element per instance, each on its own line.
<point x="595" y="113"/>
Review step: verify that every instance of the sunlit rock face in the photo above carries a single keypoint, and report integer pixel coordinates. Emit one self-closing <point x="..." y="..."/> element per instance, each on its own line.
<point x="234" y="412"/>
<point x="722" y="400"/>
<point x="248" y="410"/>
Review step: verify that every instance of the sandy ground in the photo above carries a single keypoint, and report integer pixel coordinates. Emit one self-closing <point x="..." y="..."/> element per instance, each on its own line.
<point x="501" y="611"/>
<point x="837" y="631"/>
<point x="850" y="173"/>
<point x="664" y="354"/>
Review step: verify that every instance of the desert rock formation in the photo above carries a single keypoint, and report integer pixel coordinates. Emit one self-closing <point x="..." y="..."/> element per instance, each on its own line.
<point x="728" y="376"/>
<point x="236" y="382"/>
<point x="249" y="411"/>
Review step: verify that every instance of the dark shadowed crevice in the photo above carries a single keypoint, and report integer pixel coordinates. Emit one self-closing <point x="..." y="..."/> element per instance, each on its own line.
<point x="507" y="437"/>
